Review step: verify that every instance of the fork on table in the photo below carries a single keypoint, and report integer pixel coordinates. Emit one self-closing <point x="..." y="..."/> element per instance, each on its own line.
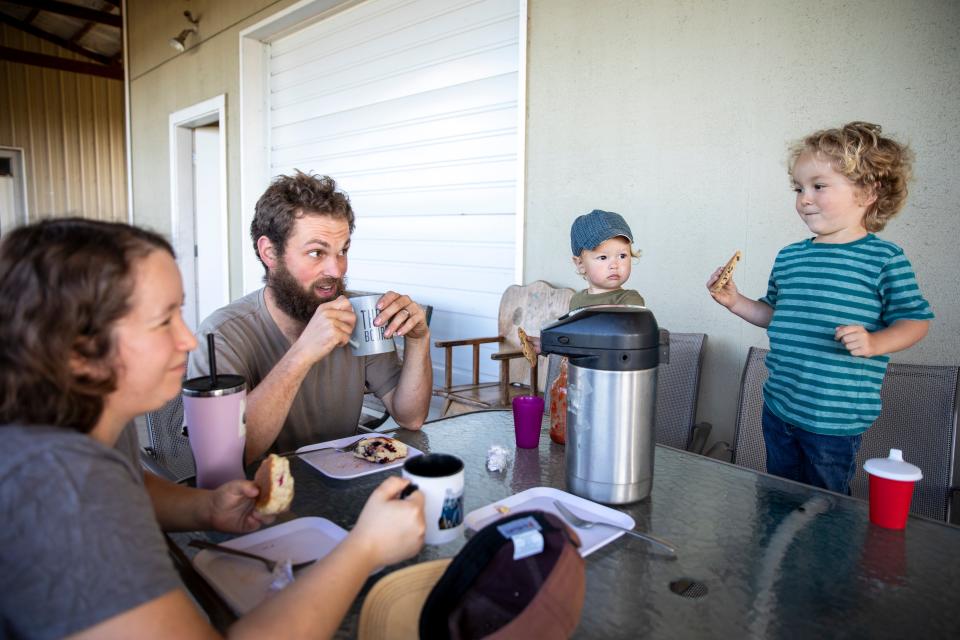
<point x="328" y="447"/>
<point x="270" y="564"/>
<point x="581" y="523"/>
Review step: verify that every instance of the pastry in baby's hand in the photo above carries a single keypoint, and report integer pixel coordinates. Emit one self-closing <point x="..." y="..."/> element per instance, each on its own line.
<point x="380" y="449"/>
<point x="726" y="274"/>
<point x="526" y="345"/>
<point x="276" y="485"/>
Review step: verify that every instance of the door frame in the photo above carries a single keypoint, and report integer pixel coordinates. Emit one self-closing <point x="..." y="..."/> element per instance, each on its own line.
<point x="181" y="124"/>
<point x="19" y="161"/>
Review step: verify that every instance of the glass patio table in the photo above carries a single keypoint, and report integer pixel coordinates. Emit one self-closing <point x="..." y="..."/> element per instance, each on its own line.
<point x="757" y="556"/>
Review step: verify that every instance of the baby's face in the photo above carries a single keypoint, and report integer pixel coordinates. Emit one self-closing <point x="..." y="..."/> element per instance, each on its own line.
<point x="606" y="267"/>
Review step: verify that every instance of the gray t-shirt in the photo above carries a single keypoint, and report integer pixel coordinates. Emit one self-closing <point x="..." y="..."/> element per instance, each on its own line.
<point x="79" y="542"/>
<point x="327" y="406"/>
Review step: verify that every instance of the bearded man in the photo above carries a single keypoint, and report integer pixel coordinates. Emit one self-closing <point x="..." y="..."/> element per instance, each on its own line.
<point x="289" y="339"/>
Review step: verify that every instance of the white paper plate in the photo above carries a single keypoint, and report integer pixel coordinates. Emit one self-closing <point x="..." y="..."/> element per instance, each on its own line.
<point x="244" y="583"/>
<point x="541" y="499"/>
<point x="344" y="466"/>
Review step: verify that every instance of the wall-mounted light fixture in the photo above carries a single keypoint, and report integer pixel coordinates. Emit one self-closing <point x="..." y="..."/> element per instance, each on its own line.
<point x="179" y="42"/>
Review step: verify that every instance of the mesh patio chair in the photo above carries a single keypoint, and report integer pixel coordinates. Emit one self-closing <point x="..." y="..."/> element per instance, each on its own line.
<point x="678" y="386"/>
<point x="748" y="448"/>
<point x="169" y="454"/>
<point x="919" y="416"/>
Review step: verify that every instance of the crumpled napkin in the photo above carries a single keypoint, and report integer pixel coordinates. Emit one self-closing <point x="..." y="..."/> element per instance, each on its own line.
<point x="282" y="575"/>
<point x="497" y="456"/>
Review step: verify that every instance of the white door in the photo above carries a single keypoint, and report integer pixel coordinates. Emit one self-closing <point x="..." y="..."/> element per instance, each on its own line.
<point x="412" y="106"/>
<point x="212" y="290"/>
<point x="199" y="209"/>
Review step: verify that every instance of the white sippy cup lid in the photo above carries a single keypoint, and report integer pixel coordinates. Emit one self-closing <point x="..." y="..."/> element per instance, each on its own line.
<point x="893" y="468"/>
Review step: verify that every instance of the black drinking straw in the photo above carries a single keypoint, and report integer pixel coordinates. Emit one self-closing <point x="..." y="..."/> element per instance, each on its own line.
<point x="212" y="356"/>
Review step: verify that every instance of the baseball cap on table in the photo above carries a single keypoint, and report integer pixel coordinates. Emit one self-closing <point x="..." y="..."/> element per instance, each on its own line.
<point x="484" y="592"/>
<point x="592" y="229"/>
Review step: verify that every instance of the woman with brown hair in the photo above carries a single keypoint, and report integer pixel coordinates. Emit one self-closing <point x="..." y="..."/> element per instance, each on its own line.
<point x="91" y="336"/>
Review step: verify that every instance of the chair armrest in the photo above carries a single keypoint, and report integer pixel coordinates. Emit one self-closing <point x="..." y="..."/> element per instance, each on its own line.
<point x="441" y="344"/>
<point x="721" y="451"/>
<point x="698" y="437"/>
<point x="506" y="355"/>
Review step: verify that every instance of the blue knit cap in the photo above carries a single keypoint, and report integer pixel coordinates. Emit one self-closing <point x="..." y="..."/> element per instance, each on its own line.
<point x="592" y="229"/>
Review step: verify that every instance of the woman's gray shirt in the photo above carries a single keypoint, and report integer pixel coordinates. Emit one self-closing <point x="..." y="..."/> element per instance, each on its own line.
<point x="79" y="543"/>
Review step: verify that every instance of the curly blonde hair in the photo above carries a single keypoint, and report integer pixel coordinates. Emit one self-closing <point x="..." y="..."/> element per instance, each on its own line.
<point x="876" y="164"/>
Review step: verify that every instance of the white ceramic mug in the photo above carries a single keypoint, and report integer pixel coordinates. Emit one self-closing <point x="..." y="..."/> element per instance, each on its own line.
<point x="367" y="339"/>
<point x="439" y="476"/>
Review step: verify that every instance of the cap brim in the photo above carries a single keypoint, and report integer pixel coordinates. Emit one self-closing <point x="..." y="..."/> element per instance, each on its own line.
<point x="391" y="611"/>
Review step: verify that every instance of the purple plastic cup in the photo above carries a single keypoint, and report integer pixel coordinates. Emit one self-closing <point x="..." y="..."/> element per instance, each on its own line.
<point x="527" y="420"/>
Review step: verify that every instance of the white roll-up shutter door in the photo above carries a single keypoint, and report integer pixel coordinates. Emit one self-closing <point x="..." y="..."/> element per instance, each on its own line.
<point x="412" y="106"/>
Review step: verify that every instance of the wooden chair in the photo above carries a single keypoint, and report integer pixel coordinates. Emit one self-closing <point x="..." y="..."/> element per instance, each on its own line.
<point x="529" y="306"/>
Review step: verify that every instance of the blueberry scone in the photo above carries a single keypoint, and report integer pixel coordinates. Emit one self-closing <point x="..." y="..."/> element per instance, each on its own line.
<point x="380" y="449"/>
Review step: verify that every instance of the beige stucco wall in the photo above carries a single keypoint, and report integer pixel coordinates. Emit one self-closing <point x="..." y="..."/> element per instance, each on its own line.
<point x="677" y="114"/>
<point x="163" y="81"/>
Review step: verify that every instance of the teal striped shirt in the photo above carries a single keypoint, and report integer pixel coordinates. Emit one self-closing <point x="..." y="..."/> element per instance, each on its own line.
<point x="815" y="384"/>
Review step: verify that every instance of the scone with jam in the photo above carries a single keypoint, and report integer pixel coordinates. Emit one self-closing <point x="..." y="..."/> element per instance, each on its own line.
<point x="380" y="449"/>
<point x="276" y="485"/>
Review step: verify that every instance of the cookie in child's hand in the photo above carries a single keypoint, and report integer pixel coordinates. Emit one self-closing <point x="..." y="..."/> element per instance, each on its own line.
<point x="726" y="274"/>
<point x="529" y="352"/>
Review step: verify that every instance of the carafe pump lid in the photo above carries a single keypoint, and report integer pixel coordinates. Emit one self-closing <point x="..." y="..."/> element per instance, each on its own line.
<point x="606" y="337"/>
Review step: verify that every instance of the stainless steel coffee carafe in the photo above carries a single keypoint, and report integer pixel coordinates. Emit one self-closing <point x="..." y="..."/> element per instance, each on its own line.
<point x="614" y="351"/>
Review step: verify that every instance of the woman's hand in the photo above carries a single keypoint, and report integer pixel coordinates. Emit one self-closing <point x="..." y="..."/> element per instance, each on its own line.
<point x="391" y="529"/>
<point x="231" y="508"/>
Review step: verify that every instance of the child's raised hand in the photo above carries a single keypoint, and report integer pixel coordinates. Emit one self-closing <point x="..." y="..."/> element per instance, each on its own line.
<point x="535" y="343"/>
<point x="725" y="296"/>
<point x="857" y="340"/>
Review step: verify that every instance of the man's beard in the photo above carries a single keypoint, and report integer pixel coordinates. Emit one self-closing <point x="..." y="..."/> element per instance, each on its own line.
<point x="293" y="299"/>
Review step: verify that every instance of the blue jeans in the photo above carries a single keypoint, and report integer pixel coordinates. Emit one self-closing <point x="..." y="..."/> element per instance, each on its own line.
<point x="828" y="462"/>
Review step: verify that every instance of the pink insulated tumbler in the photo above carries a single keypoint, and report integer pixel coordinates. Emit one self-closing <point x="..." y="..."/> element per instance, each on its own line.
<point x="891" y="488"/>
<point x="214" y="411"/>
